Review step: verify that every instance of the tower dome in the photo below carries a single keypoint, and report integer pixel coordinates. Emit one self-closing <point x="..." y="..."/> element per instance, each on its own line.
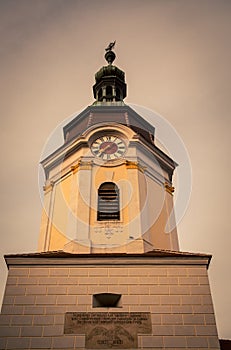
<point x="110" y="83"/>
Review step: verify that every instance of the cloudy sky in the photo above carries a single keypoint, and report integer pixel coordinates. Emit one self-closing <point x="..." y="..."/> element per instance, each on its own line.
<point x="176" y="55"/>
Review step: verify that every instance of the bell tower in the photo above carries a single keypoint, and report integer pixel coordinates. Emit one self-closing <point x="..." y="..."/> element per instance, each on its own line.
<point x="108" y="273"/>
<point x="109" y="187"/>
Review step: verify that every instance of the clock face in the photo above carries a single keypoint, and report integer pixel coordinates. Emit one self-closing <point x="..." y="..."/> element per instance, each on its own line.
<point x="108" y="147"/>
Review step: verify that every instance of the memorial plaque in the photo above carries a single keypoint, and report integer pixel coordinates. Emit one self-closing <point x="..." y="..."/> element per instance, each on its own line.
<point x="108" y="330"/>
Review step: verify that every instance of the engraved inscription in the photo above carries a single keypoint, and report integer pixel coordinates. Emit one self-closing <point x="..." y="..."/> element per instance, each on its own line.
<point x="113" y="330"/>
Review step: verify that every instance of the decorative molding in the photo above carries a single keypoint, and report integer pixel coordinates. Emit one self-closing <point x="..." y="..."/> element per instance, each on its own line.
<point x="48" y="186"/>
<point x="134" y="165"/>
<point x="169" y="189"/>
<point x="75" y="168"/>
<point x="81" y="165"/>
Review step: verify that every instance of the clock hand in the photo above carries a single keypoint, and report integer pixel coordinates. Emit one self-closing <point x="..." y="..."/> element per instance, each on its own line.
<point x="104" y="149"/>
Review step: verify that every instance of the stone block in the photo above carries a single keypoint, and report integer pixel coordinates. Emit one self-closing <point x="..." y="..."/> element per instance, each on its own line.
<point x="174" y="342"/>
<point x="168" y="280"/>
<point x="204" y="289"/>
<point x="15" y="290"/>
<point x="210" y="319"/>
<point x="203" y="280"/>
<point x="18" y="343"/>
<point x="24" y="300"/>
<point x="134" y="272"/>
<point x="61" y="271"/>
<point x="84" y="299"/>
<point x="170" y="299"/>
<point x="80" y="289"/>
<point x="148" y="341"/>
<point x="158" y="271"/>
<point x="160" y="309"/>
<point x="56" y="309"/>
<point x="53" y="331"/>
<point x="172" y="319"/>
<point x="43" y="320"/>
<point x="78" y="271"/>
<point x="180" y="290"/>
<point x="22" y="320"/>
<point x="46" y="299"/>
<point x="31" y="331"/>
<point x="18" y="271"/>
<point x="12" y="310"/>
<point x="98" y="271"/>
<point x="92" y="280"/>
<point x="8" y="300"/>
<point x="33" y="310"/>
<point x="177" y="271"/>
<point x="182" y="309"/>
<point x="148" y="280"/>
<point x="149" y="300"/>
<point x="193" y="319"/>
<point x="64" y="342"/>
<point x="11" y="281"/>
<point x="207" y="300"/>
<point x="206" y="330"/>
<point x="138" y="289"/>
<point x="185" y="330"/>
<point x="59" y="319"/>
<point x="126" y="280"/>
<point x="156" y="319"/>
<point x="39" y="271"/>
<point x="116" y="271"/>
<point x="112" y="289"/>
<point x="35" y="290"/>
<point x="66" y="299"/>
<point x="163" y="330"/>
<point x="131" y="300"/>
<point x="137" y="308"/>
<point x="158" y="290"/>
<point x="197" y="271"/>
<point x="191" y="300"/>
<point x="48" y="280"/>
<point x="203" y="309"/>
<point x="6" y="331"/>
<point x="197" y="342"/>
<point x="68" y="280"/>
<point x="56" y="290"/>
<point x="5" y="320"/>
<point x="189" y="280"/>
<point x="27" y="280"/>
<point x="80" y="341"/>
<point x="41" y="343"/>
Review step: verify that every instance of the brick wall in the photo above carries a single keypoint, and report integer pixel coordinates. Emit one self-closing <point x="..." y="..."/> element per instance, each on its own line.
<point x="178" y="297"/>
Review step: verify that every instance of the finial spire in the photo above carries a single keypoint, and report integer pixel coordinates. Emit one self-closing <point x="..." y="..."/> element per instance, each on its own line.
<point x="110" y="55"/>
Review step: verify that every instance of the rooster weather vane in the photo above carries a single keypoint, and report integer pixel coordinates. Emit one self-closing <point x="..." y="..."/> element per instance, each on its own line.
<point x="110" y="46"/>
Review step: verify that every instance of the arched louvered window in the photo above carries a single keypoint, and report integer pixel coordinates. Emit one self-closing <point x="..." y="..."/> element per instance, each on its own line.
<point x="108" y="202"/>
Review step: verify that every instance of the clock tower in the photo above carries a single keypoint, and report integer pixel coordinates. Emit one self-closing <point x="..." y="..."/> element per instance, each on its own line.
<point x="108" y="273"/>
<point x="109" y="187"/>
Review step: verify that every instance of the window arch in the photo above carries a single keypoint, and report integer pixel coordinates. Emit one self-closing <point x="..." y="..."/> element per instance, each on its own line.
<point x="108" y="202"/>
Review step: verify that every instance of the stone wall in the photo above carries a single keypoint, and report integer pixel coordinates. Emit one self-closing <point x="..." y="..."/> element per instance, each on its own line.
<point x="177" y="296"/>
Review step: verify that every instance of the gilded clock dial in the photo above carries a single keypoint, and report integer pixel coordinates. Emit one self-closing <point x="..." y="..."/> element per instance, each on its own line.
<point x="108" y="147"/>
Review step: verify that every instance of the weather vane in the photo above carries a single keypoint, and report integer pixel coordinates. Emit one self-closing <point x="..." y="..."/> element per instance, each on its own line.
<point x="110" y="46"/>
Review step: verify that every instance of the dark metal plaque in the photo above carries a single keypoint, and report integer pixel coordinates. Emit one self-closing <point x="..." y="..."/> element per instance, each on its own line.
<point x="108" y="330"/>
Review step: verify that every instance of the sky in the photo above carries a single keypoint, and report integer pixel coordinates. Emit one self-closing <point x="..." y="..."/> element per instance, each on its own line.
<point x="176" y="55"/>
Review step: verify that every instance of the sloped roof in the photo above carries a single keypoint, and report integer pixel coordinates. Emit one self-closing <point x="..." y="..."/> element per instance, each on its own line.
<point x="60" y="254"/>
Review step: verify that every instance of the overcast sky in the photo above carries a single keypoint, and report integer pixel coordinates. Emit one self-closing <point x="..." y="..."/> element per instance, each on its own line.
<point x="176" y="55"/>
